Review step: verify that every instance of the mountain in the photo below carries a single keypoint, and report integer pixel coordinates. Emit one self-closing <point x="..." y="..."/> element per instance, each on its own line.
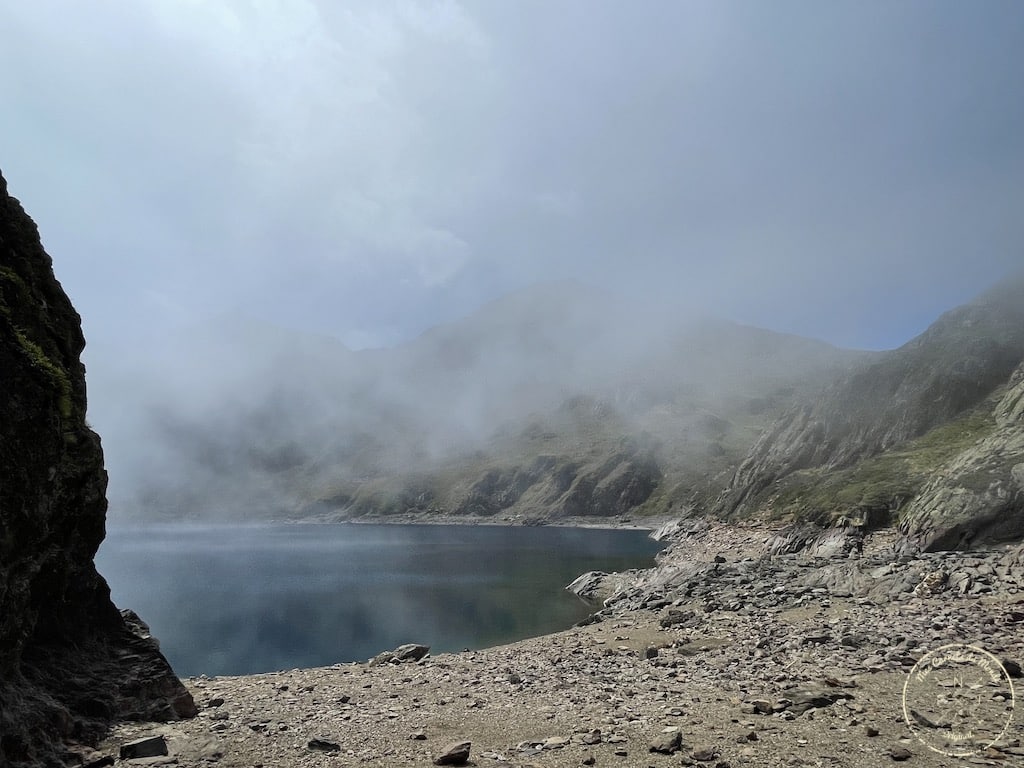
<point x="560" y="402"/>
<point x="927" y="436"/>
<point x="555" y="401"/>
<point x="70" y="662"/>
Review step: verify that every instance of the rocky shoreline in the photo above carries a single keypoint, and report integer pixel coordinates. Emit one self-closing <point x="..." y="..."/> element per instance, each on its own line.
<point x="641" y="523"/>
<point x="733" y="651"/>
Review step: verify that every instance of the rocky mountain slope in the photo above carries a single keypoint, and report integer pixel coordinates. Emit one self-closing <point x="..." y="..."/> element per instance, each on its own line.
<point x="557" y="401"/>
<point x="69" y="661"/>
<point x="978" y="495"/>
<point x="929" y="436"/>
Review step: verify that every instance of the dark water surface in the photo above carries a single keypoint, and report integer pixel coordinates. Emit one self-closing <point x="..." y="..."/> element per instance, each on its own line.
<point x="226" y="600"/>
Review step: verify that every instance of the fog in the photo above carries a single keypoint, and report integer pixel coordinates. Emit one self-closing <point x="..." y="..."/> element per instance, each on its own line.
<point x="238" y="419"/>
<point x="260" y="209"/>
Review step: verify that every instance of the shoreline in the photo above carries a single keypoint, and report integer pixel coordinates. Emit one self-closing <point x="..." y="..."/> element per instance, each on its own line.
<point x="597" y="523"/>
<point x="510" y="611"/>
<point x="717" y="656"/>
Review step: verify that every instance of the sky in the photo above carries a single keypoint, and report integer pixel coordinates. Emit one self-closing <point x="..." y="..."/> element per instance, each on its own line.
<point x="366" y="170"/>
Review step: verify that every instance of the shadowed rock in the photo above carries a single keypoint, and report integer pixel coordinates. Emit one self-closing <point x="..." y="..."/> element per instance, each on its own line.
<point x="70" y="664"/>
<point x="456" y="753"/>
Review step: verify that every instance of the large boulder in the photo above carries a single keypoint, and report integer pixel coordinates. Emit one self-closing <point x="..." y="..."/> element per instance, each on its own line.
<point x="977" y="498"/>
<point x="69" y="663"/>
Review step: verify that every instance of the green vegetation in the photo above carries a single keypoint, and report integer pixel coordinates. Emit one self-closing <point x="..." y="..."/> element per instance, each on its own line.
<point x="54" y="372"/>
<point x="11" y="282"/>
<point x="874" y="489"/>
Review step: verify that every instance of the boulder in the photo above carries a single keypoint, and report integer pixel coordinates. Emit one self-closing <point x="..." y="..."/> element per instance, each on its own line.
<point x="977" y="497"/>
<point x="150" y="746"/>
<point x="403" y="654"/>
<point x="456" y="753"/>
<point x="411" y="652"/>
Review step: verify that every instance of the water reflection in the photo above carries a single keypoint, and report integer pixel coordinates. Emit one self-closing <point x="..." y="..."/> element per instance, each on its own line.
<point x="238" y="600"/>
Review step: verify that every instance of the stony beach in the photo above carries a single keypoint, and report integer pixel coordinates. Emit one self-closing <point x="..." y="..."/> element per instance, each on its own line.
<point x="733" y="651"/>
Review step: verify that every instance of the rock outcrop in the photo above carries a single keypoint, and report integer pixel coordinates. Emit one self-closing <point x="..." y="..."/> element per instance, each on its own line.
<point x="978" y="497"/>
<point x="69" y="662"/>
<point x="950" y="370"/>
<point x="603" y="486"/>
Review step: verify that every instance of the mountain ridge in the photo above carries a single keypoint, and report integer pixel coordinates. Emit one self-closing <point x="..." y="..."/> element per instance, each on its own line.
<point x="462" y="389"/>
<point x="561" y="402"/>
<point x="935" y="382"/>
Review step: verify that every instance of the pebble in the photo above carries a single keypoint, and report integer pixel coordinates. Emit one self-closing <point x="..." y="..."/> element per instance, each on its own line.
<point x="899" y="754"/>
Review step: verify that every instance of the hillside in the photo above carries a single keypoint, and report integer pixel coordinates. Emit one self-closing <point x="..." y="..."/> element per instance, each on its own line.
<point x="928" y="436"/>
<point x="560" y="402"/>
<point x="557" y="401"/>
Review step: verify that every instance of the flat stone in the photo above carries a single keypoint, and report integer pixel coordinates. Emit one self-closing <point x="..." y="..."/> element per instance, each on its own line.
<point x="323" y="745"/>
<point x="456" y="753"/>
<point x="151" y="746"/>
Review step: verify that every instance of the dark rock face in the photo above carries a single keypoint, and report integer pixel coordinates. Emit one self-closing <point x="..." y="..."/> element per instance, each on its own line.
<point x="69" y="663"/>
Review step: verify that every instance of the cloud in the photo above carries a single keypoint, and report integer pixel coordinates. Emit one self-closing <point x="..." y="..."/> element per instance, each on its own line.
<point x="373" y="168"/>
<point x="253" y="138"/>
<point x="370" y="169"/>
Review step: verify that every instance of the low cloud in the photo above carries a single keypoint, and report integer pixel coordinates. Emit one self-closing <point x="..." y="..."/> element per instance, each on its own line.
<point x="368" y="170"/>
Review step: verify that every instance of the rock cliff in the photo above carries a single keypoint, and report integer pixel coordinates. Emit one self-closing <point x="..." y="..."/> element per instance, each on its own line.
<point x="69" y="661"/>
<point x="549" y="403"/>
<point x="928" y="436"/>
<point x="978" y="496"/>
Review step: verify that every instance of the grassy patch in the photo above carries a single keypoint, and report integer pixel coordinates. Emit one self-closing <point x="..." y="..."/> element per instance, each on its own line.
<point x="13" y="293"/>
<point x="879" y="486"/>
<point x="54" y="372"/>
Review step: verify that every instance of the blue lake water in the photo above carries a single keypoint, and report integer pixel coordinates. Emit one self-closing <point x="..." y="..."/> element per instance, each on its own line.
<point x="227" y="600"/>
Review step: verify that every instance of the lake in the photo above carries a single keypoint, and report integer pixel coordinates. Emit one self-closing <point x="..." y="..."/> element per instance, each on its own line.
<point x="230" y="600"/>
